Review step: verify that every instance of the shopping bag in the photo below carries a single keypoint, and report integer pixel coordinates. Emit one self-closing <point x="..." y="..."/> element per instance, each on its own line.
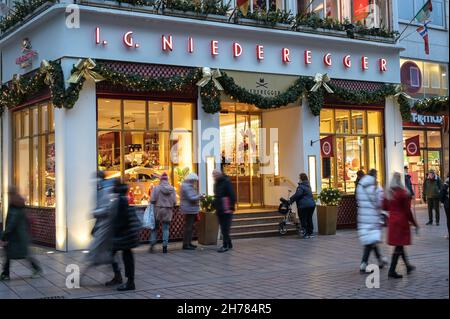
<point x="149" y="217"/>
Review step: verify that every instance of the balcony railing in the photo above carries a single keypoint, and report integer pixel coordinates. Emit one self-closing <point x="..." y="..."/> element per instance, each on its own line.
<point x="219" y="11"/>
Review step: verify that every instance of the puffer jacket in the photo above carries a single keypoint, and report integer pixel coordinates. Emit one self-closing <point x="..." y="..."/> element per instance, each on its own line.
<point x="303" y="196"/>
<point x="16" y="233"/>
<point x="189" y="199"/>
<point x="369" y="197"/>
<point x="164" y="199"/>
<point x="126" y="224"/>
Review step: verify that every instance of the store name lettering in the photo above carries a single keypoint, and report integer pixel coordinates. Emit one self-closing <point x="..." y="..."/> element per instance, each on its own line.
<point x="237" y="50"/>
<point x="426" y="119"/>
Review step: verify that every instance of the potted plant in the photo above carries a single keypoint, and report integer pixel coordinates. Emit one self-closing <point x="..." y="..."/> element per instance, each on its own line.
<point x="208" y="226"/>
<point x="327" y="211"/>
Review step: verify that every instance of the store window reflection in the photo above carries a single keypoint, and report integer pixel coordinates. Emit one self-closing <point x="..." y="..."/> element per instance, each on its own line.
<point x="358" y="142"/>
<point x="34" y="154"/>
<point x="152" y="137"/>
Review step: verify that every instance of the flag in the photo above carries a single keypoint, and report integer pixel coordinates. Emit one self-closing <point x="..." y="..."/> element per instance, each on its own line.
<point x="412" y="146"/>
<point x="423" y="31"/>
<point x="425" y="12"/>
<point x="326" y="146"/>
<point x="243" y="6"/>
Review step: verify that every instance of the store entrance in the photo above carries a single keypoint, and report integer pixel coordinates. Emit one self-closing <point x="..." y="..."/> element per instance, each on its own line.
<point x="239" y="142"/>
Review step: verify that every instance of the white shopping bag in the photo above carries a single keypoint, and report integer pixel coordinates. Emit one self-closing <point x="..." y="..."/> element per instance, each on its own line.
<point x="149" y="218"/>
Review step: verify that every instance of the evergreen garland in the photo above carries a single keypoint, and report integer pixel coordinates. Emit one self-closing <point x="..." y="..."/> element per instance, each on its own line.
<point x="14" y="95"/>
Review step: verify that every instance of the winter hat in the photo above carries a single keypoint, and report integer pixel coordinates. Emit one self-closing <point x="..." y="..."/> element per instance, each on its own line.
<point x="191" y="177"/>
<point x="164" y="177"/>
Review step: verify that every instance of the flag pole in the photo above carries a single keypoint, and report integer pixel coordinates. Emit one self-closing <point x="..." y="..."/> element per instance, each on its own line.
<point x="407" y="36"/>
<point x="411" y="21"/>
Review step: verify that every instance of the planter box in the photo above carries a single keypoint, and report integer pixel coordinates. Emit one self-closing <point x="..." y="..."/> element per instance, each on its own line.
<point x="208" y="229"/>
<point x="327" y="219"/>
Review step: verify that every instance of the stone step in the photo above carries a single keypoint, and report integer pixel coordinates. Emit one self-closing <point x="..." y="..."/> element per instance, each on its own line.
<point x="255" y="228"/>
<point x="264" y="233"/>
<point x="256" y="214"/>
<point x="256" y="220"/>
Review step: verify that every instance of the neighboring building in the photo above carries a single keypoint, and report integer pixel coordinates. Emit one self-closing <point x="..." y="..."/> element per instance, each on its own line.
<point x="51" y="154"/>
<point x="426" y="76"/>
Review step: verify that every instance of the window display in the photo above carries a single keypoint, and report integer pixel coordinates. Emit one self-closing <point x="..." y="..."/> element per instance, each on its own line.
<point x="358" y="144"/>
<point x="138" y="140"/>
<point x="34" y="155"/>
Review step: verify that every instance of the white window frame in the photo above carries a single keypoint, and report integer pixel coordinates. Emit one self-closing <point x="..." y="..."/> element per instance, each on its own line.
<point x="431" y="25"/>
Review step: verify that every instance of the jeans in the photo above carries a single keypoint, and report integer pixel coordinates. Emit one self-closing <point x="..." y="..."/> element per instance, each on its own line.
<point x="306" y="222"/>
<point x="165" y="233"/>
<point x="189" y="220"/>
<point x="33" y="262"/>
<point x="367" y="250"/>
<point x="128" y="261"/>
<point x="225" y="225"/>
<point x="433" y="203"/>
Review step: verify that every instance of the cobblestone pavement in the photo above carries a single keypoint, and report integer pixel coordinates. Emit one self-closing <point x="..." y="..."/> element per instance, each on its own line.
<point x="267" y="268"/>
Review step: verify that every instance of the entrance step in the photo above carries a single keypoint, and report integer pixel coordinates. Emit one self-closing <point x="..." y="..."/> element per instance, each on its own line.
<point x="257" y="224"/>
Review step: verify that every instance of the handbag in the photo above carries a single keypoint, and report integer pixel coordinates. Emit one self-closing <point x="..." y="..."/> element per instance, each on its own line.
<point x="149" y="218"/>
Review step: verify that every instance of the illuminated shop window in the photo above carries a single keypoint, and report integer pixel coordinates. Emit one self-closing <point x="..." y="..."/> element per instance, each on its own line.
<point x="138" y="140"/>
<point x="34" y="154"/>
<point x="358" y="145"/>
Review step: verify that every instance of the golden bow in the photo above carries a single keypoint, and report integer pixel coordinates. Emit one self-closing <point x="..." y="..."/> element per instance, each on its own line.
<point x="399" y="90"/>
<point x="46" y="69"/>
<point x="17" y="86"/>
<point x="209" y="75"/>
<point x="321" y="80"/>
<point x="84" y="69"/>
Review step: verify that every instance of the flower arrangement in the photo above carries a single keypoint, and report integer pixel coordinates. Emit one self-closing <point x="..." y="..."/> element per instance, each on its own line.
<point x="206" y="204"/>
<point x="330" y="197"/>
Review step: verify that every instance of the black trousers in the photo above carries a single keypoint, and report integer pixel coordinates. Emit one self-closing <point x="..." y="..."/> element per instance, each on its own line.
<point x="189" y="220"/>
<point x="399" y="251"/>
<point x="433" y="203"/>
<point x="128" y="261"/>
<point x="446" y="213"/>
<point x="306" y="215"/>
<point x="33" y="262"/>
<point x="367" y="250"/>
<point x="225" y="226"/>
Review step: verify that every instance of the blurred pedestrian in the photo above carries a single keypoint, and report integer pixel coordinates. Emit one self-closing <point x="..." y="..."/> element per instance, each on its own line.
<point x="224" y="202"/>
<point x="431" y="190"/>
<point x="126" y="228"/>
<point x="100" y="250"/>
<point x="164" y="199"/>
<point x="408" y="182"/>
<point x="306" y="205"/>
<point x="16" y="237"/>
<point x="189" y="206"/>
<point x="359" y="174"/>
<point x="444" y="200"/>
<point x="397" y="202"/>
<point x="369" y="196"/>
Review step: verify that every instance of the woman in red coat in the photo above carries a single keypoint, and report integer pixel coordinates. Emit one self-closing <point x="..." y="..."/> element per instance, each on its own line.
<point x="398" y="203"/>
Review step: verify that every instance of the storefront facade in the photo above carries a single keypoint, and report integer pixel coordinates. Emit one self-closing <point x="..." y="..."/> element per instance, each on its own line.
<point x="51" y="153"/>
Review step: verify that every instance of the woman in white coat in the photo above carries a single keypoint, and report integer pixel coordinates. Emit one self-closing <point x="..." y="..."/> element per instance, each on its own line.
<point x="369" y="196"/>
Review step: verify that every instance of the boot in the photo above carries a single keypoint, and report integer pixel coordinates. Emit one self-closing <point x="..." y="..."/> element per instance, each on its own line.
<point x="117" y="280"/>
<point x="410" y="268"/>
<point x="362" y="268"/>
<point x="129" y="285"/>
<point x="382" y="262"/>
<point x="151" y="249"/>
<point x="164" y="249"/>
<point x="392" y="273"/>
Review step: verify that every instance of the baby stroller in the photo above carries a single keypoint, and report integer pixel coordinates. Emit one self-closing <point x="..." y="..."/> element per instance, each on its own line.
<point x="285" y="209"/>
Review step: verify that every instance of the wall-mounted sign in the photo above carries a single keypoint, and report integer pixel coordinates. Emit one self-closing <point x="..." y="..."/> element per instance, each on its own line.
<point x="237" y="51"/>
<point x="26" y="59"/>
<point x="412" y="146"/>
<point x="411" y="77"/>
<point x="427" y="119"/>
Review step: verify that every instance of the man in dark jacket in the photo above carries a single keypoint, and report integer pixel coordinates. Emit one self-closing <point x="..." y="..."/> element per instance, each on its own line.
<point x="431" y="190"/>
<point x="408" y="183"/>
<point x="224" y="202"/>
<point x="306" y="205"/>
<point x="444" y="200"/>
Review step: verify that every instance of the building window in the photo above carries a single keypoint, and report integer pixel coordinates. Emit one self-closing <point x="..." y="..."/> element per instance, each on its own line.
<point x="371" y="13"/>
<point x="424" y="79"/>
<point x="266" y="5"/>
<point x="408" y="9"/>
<point x="34" y="154"/>
<point x="138" y="140"/>
<point x="358" y="145"/>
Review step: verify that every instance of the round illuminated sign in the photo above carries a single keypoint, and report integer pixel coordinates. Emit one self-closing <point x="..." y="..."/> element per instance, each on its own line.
<point x="326" y="148"/>
<point x="412" y="148"/>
